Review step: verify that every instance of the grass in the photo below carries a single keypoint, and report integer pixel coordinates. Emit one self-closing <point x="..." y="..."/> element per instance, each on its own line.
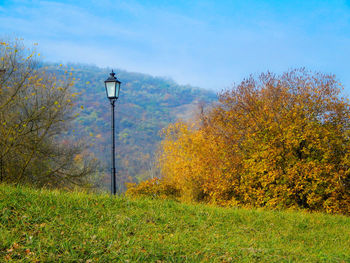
<point x="53" y="226"/>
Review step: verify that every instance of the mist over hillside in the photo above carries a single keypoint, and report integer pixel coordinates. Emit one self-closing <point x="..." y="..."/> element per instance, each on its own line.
<point x="146" y="105"/>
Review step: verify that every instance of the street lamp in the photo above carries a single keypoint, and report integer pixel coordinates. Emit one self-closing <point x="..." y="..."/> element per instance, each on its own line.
<point x="112" y="85"/>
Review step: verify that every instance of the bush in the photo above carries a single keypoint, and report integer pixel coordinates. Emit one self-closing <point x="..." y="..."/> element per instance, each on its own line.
<point x="154" y="188"/>
<point x="272" y="141"/>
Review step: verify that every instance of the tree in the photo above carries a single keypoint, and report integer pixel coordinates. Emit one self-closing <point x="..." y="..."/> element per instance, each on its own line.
<point x="272" y="141"/>
<point x="36" y="109"/>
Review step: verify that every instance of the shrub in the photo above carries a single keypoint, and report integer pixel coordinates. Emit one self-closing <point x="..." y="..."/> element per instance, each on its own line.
<point x="272" y="141"/>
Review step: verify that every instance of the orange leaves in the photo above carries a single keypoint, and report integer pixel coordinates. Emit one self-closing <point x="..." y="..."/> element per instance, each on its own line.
<point x="272" y="141"/>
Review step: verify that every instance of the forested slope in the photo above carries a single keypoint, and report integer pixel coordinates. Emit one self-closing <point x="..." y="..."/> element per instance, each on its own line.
<point x="145" y="106"/>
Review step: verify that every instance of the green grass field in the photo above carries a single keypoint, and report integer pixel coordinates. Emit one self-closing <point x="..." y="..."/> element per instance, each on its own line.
<point x="53" y="226"/>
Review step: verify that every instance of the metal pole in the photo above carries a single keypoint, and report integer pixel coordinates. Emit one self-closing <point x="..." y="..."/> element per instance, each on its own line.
<point x="113" y="178"/>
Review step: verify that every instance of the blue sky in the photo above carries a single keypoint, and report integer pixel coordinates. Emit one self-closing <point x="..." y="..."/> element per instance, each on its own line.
<point x="210" y="44"/>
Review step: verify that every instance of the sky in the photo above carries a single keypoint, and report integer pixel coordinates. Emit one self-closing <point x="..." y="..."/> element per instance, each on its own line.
<point x="209" y="44"/>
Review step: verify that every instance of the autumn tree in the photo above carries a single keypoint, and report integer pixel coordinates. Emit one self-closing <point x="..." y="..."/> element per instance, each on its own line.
<point x="36" y="109"/>
<point x="271" y="141"/>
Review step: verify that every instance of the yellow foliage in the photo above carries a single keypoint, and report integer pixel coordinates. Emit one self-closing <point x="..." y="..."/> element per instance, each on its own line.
<point x="152" y="187"/>
<point x="78" y="157"/>
<point x="272" y="141"/>
<point x="34" y="103"/>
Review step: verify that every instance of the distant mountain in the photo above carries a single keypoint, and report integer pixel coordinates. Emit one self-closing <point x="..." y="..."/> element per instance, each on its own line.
<point x="145" y="106"/>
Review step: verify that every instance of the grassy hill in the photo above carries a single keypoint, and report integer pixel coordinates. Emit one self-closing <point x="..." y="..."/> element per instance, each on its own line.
<point x="53" y="226"/>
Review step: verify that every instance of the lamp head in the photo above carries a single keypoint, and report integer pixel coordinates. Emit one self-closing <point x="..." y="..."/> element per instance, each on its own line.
<point x="112" y="85"/>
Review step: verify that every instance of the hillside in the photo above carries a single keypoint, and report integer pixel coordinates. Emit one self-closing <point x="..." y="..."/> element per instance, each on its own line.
<point x="42" y="226"/>
<point x="145" y="106"/>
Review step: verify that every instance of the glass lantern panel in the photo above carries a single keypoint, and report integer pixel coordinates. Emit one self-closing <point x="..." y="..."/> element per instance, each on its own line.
<point x="110" y="86"/>
<point x="117" y="86"/>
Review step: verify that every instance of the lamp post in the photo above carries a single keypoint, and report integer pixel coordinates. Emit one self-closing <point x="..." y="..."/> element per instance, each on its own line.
<point x="112" y="85"/>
